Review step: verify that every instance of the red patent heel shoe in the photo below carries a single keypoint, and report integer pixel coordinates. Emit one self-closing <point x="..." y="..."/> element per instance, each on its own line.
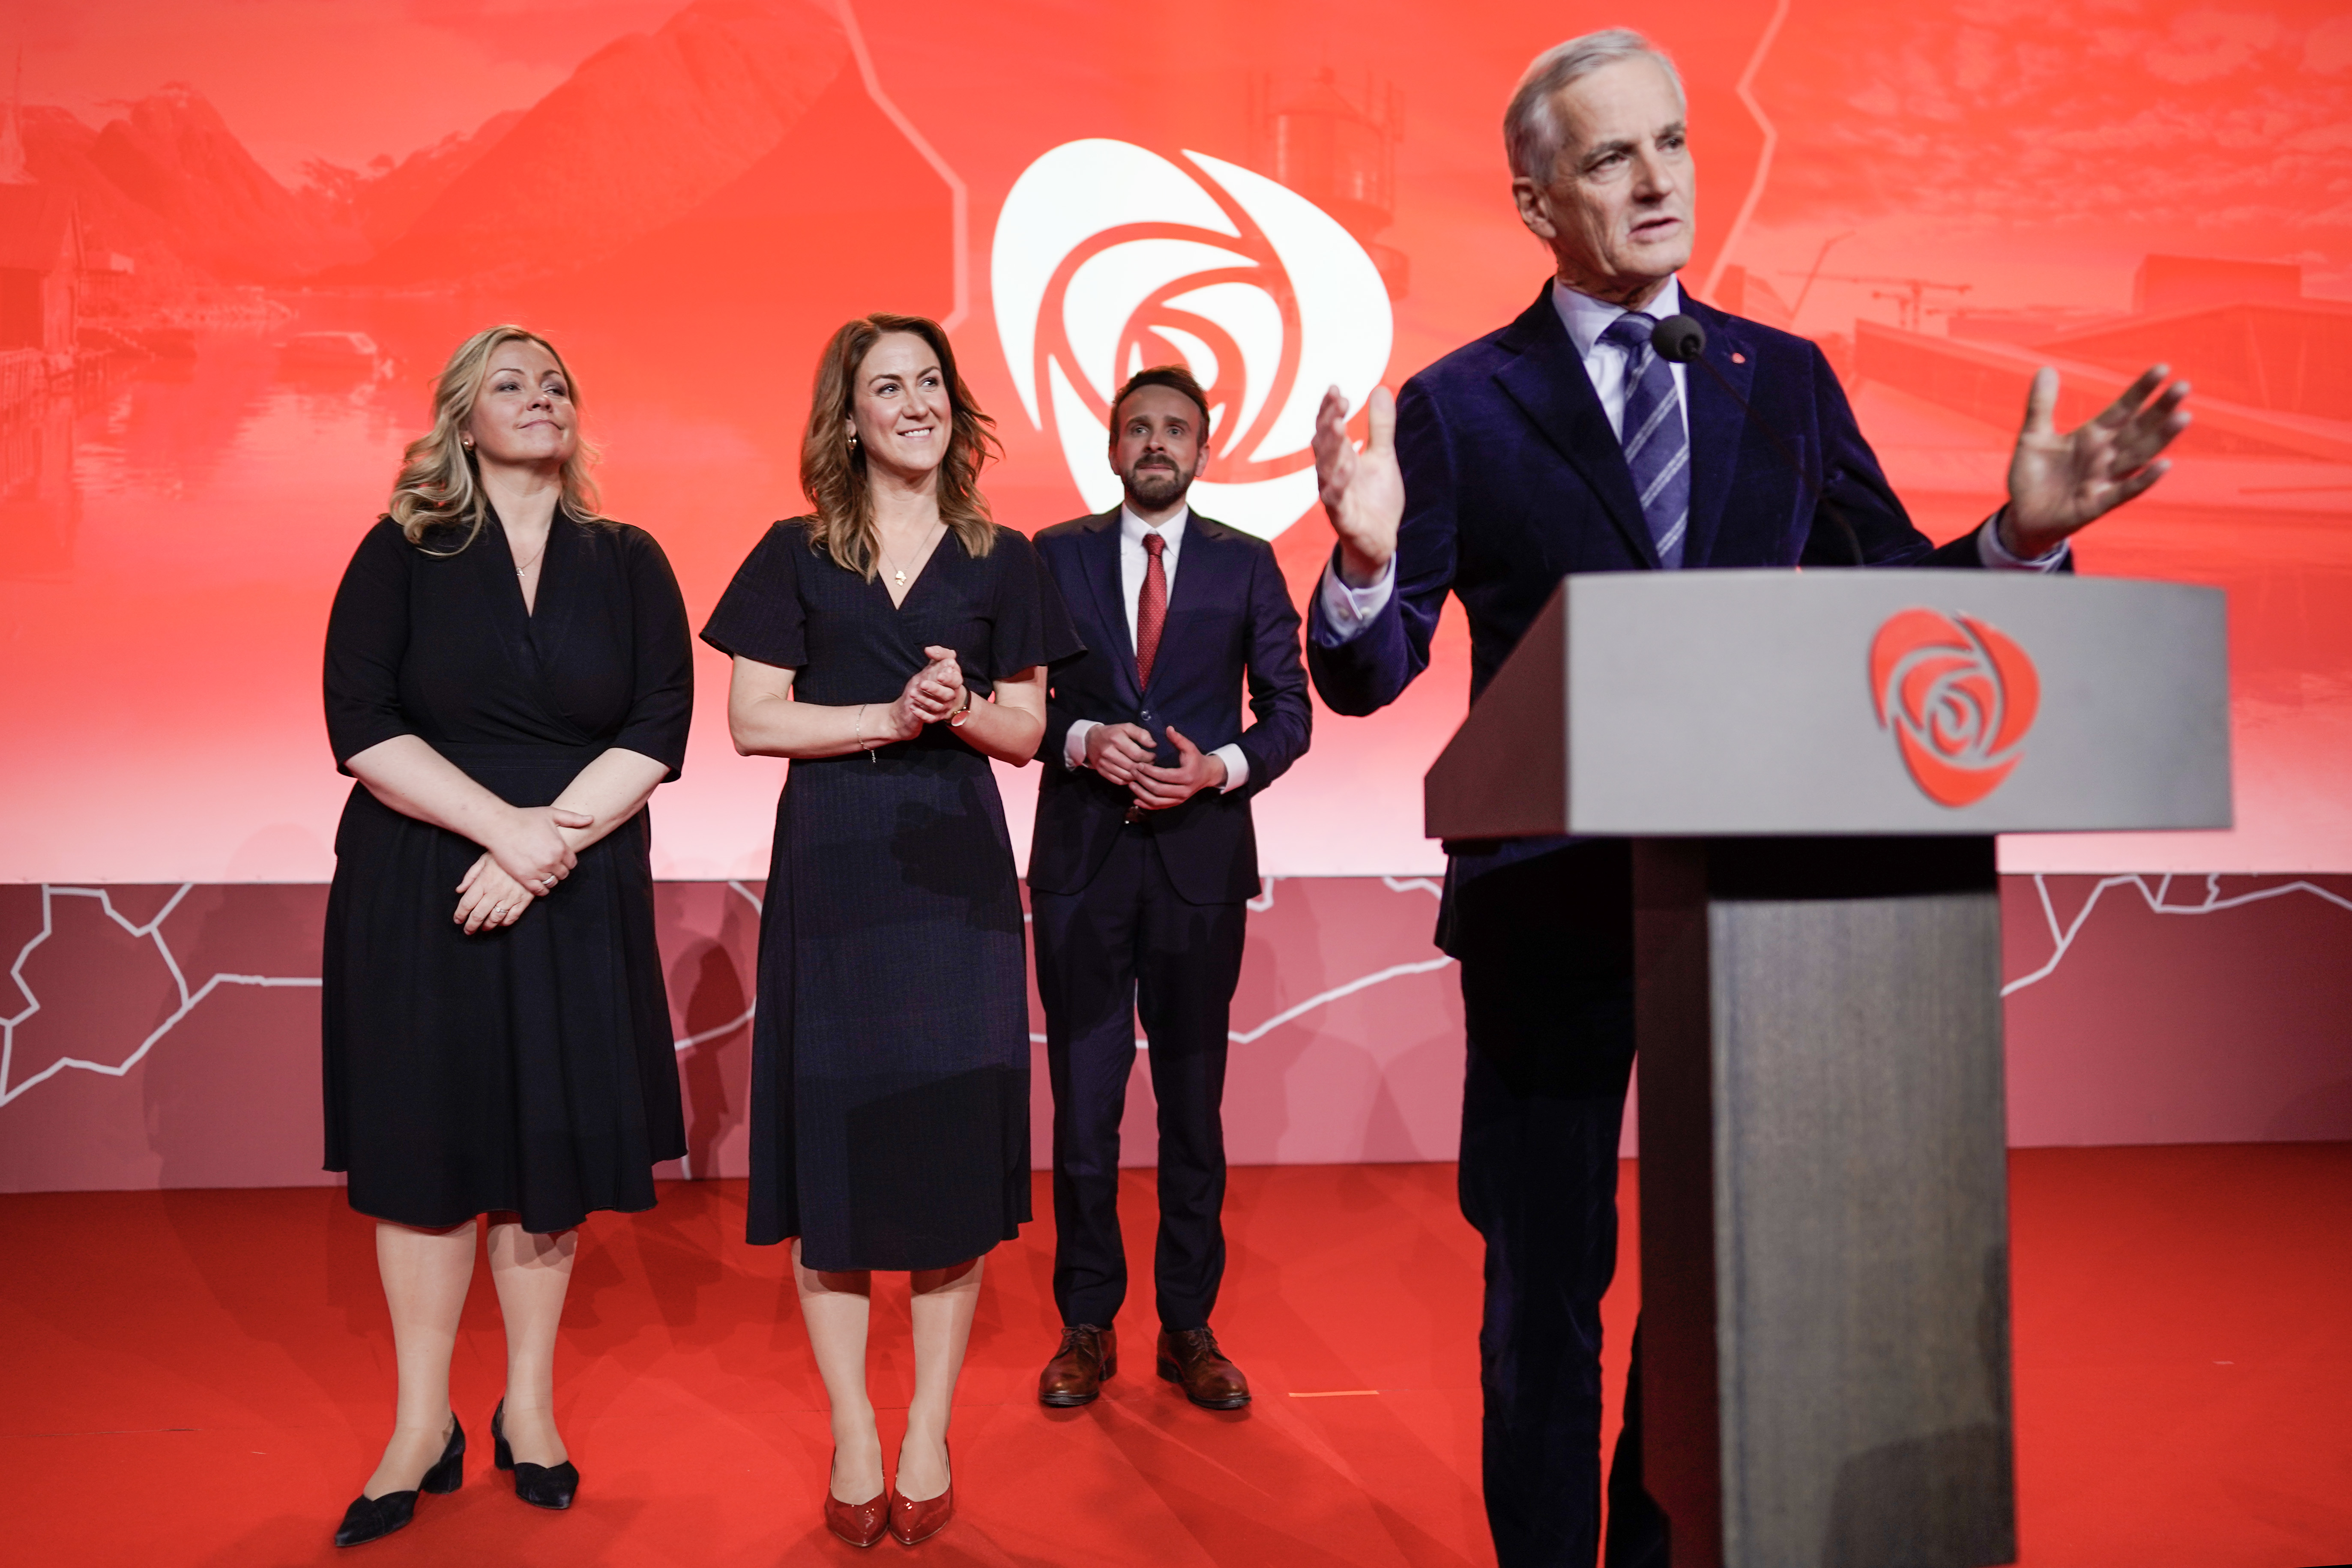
<point x="912" y="1523"/>
<point x="858" y="1523"/>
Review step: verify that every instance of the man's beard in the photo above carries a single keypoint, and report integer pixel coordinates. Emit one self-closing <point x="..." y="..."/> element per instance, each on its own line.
<point x="1155" y="486"/>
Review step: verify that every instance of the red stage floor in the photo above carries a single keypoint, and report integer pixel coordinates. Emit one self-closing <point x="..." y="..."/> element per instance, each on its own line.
<point x="204" y="1378"/>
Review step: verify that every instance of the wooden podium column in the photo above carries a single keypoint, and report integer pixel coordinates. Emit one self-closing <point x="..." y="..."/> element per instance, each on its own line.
<point x="1825" y="1225"/>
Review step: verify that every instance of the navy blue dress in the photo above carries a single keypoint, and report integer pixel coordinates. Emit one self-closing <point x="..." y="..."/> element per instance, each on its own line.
<point x="528" y="1069"/>
<point x="889" y="1118"/>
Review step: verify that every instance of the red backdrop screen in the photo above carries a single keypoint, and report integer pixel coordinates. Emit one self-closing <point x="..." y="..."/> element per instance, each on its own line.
<point x="237" y="239"/>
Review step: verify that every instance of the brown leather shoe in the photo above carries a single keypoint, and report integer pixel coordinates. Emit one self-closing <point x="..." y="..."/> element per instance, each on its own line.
<point x="1075" y="1376"/>
<point x="1192" y="1360"/>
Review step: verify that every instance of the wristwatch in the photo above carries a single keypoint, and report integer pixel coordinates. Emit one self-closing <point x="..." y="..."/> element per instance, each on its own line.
<point x="956" y="719"/>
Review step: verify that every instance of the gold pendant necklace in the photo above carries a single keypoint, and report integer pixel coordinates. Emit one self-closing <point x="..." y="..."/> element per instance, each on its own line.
<point x="898" y="575"/>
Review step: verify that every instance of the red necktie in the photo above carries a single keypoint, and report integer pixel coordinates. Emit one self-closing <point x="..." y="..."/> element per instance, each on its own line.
<point x="1150" y="607"/>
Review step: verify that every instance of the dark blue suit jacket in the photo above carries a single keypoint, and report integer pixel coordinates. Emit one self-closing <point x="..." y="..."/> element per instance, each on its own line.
<point x="1229" y="620"/>
<point x="1513" y="478"/>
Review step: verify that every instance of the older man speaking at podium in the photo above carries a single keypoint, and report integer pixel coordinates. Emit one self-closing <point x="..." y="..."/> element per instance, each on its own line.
<point x="1566" y="442"/>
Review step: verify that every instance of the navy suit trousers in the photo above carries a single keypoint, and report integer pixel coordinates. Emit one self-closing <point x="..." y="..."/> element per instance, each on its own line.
<point x="1547" y="952"/>
<point x="1128" y="944"/>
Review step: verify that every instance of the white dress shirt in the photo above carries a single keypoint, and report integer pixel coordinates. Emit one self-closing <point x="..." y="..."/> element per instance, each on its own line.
<point x="1349" y="610"/>
<point x="1134" y="560"/>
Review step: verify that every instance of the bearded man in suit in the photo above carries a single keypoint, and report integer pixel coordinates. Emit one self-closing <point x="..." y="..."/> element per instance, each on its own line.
<point x="1562" y="442"/>
<point x="1143" y="859"/>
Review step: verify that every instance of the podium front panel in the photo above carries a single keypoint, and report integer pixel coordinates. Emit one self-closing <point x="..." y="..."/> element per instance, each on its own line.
<point x="1834" y="702"/>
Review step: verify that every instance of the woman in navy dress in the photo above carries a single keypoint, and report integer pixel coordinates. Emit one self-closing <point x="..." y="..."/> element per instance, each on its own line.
<point x="508" y="676"/>
<point x="891" y="644"/>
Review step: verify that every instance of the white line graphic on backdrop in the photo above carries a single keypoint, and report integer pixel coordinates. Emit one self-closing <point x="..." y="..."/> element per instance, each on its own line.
<point x="2062" y="935"/>
<point x="1746" y="89"/>
<point x="153" y="932"/>
<point x="958" y="197"/>
<point x="1265" y="902"/>
<point x="703" y="1037"/>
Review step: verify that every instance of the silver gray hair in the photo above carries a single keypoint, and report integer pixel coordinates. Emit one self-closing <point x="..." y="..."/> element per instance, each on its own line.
<point x="1531" y="129"/>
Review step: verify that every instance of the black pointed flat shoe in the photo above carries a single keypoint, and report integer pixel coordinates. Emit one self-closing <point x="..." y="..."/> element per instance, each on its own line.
<point x="542" y="1486"/>
<point x="371" y="1519"/>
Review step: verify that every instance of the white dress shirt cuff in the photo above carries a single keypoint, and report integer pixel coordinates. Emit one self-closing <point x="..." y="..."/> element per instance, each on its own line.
<point x="1237" y="762"/>
<point x="1349" y="610"/>
<point x="1998" y="557"/>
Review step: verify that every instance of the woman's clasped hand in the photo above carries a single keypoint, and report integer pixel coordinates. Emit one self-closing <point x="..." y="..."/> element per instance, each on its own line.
<point x="934" y="691"/>
<point x="931" y="694"/>
<point x="522" y="864"/>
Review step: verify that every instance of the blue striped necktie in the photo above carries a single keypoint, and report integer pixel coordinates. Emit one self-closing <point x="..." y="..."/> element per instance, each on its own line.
<point x="1657" y="448"/>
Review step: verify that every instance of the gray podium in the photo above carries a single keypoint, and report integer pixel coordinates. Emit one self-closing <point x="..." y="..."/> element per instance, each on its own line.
<point x="1813" y="767"/>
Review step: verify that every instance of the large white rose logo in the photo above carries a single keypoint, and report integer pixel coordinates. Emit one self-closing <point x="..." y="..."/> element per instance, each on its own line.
<point x="1109" y="258"/>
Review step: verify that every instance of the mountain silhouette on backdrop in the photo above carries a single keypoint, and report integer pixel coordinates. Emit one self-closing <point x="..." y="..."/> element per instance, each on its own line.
<point x="387" y="202"/>
<point x="170" y="185"/>
<point x="642" y="132"/>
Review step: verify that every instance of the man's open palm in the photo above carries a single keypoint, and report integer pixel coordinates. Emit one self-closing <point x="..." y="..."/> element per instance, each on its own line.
<point x="2058" y="483"/>
<point x="1363" y="492"/>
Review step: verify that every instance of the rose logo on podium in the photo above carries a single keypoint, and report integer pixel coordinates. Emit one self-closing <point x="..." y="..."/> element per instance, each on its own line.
<point x="1959" y="697"/>
<point x="1109" y="258"/>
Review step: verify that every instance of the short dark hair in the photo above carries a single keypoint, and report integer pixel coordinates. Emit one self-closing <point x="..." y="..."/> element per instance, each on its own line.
<point x="1176" y="378"/>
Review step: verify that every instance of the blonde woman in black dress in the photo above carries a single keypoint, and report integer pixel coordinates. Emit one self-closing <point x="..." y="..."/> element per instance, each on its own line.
<point x="892" y="643"/>
<point x="508" y="676"/>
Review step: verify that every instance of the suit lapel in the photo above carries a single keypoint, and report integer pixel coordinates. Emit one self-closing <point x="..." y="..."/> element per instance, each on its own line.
<point x="1547" y="380"/>
<point x="1715" y="425"/>
<point x="1100" y="553"/>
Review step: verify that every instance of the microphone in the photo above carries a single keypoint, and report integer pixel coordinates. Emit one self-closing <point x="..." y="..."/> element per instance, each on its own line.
<point x="1679" y="339"/>
<point x="1682" y="340"/>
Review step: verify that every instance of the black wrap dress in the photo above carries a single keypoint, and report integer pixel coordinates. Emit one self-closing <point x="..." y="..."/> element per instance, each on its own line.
<point x="889" y="1118"/>
<point x="528" y="1069"/>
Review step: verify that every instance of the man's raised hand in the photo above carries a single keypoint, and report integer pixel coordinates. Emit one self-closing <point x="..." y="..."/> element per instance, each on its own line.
<point x="2058" y="483"/>
<point x="1363" y="492"/>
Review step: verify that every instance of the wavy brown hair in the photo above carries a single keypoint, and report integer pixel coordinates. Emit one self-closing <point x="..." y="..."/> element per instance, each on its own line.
<point x="439" y="485"/>
<point x="833" y="472"/>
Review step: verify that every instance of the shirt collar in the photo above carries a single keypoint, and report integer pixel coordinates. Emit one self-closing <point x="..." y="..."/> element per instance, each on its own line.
<point x="1132" y="528"/>
<point x="1587" y="318"/>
